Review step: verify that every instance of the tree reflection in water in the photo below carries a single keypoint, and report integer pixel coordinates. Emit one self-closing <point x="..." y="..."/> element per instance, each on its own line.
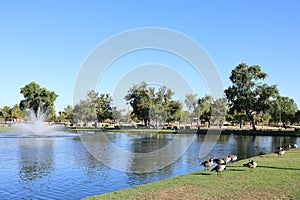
<point x="35" y="158"/>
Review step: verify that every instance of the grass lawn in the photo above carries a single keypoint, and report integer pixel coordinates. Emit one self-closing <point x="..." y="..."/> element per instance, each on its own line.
<point x="274" y="178"/>
<point x="6" y="129"/>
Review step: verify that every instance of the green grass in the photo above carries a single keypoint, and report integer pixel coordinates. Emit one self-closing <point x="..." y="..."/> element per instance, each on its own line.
<point x="6" y="129"/>
<point x="194" y="131"/>
<point x="137" y="130"/>
<point x="274" y="178"/>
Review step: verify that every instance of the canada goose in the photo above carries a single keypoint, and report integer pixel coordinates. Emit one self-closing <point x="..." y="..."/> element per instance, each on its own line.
<point x="227" y="159"/>
<point x="280" y="152"/>
<point x="219" y="161"/>
<point x="279" y="148"/>
<point x="219" y="168"/>
<point x="233" y="158"/>
<point x="287" y="147"/>
<point x="208" y="163"/>
<point x="295" y="146"/>
<point x="251" y="164"/>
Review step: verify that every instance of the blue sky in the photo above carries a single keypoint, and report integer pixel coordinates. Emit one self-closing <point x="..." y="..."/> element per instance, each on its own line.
<point x="48" y="41"/>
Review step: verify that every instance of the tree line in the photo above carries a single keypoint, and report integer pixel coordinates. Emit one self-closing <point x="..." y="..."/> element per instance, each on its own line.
<point x="247" y="99"/>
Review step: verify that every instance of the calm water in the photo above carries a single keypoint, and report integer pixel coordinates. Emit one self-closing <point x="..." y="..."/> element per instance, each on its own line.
<point x="60" y="166"/>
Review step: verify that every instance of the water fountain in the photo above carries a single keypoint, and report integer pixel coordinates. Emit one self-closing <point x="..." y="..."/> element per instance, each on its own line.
<point x="36" y="125"/>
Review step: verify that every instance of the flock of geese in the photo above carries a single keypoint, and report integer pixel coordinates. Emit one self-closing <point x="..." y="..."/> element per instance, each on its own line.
<point x="221" y="162"/>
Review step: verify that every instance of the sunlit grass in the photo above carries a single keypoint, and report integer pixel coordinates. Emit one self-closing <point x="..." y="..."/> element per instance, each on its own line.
<point x="274" y="178"/>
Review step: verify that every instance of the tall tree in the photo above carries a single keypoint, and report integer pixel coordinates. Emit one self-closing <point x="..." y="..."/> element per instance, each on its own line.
<point x="66" y="115"/>
<point x="205" y="104"/>
<point x="6" y="112"/>
<point x="104" y="108"/>
<point x="157" y="114"/>
<point x="17" y="113"/>
<point x="90" y="110"/>
<point x="283" y="109"/>
<point x="37" y="98"/>
<point x="140" y="100"/>
<point x="149" y="105"/>
<point x="85" y="110"/>
<point x="247" y="93"/>
<point x="192" y="103"/>
<point x="117" y="115"/>
<point x="174" y="109"/>
<point x="297" y="117"/>
<point x="69" y="115"/>
<point x="219" y="110"/>
<point x="236" y="117"/>
<point x="160" y="109"/>
<point x="95" y="108"/>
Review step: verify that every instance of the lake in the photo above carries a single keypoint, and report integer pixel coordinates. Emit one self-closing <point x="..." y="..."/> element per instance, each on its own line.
<point x="60" y="166"/>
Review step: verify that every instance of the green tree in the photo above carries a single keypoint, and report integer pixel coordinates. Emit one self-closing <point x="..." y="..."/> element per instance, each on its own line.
<point x="174" y="109"/>
<point x="219" y="110"/>
<point x="149" y="105"/>
<point x="205" y="104"/>
<point x="17" y="113"/>
<point x="37" y="98"/>
<point x="90" y="109"/>
<point x="159" y="105"/>
<point x="157" y="114"/>
<point x="6" y="112"/>
<point x="85" y="110"/>
<point x="297" y="117"/>
<point x="104" y="108"/>
<point x="263" y="118"/>
<point x="236" y="117"/>
<point x="163" y="96"/>
<point x="185" y="117"/>
<point x="118" y="116"/>
<point x="69" y="115"/>
<point x="192" y="103"/>
<point x="247" y="93"/>
<point x="95" y="108"/>
<point x="283" y="109"/>
<point x="66" y="115"/>
<point x="140" y="100"/>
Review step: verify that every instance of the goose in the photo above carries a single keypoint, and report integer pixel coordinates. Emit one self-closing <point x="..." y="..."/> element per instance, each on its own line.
<point x="227" y="159"/>
<point x="280" y="152"/>
<point x="233" y="158"/>
<point x="219" y="161"/>
<point x="219" y="168"/>
<point x="251" y="164"/>
<point x="279" y="148"/>
<point x="207" y="163"/>
<point x="287" y="147"/>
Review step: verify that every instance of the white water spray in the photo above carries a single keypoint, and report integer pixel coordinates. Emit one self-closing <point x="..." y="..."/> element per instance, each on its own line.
<point x="36" y="124"/>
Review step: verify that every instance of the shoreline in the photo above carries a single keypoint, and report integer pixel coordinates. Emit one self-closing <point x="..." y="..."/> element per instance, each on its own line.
<point x="203" y="131"/>
<point x="291" y="133"/>
<point x="274" y="178"/>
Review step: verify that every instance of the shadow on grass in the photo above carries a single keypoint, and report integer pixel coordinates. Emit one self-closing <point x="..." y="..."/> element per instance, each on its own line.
<point x="202" y="174"/>
<point x="282" y="168"/>
<point x="236" y="170"/>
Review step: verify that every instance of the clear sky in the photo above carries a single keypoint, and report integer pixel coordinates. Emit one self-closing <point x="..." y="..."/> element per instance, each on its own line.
<point x="47" y="41"/>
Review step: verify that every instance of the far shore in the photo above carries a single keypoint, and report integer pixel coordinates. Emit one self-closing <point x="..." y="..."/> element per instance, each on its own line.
<point x="267" y="131"/>
<point x="261" y="131"/>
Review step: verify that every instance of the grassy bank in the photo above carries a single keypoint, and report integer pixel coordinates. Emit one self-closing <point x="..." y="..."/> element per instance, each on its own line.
<point x="194" y="131"/>
<point x="136" y="130"/>
<point x="274" y="178"/>
<point x="6" y="129"/>
<point x="257" y="132"/>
